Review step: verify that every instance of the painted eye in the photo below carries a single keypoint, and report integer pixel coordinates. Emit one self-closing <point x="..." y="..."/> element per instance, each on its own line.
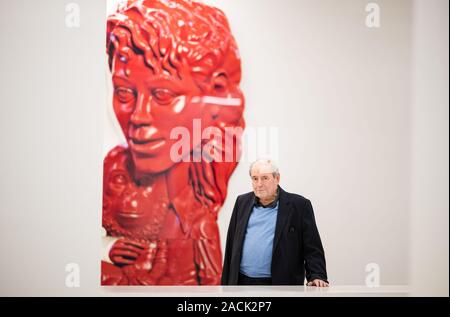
<point x="163" y="96"/>
<point x="117" y="183"/>
<point x="124" y="94"/>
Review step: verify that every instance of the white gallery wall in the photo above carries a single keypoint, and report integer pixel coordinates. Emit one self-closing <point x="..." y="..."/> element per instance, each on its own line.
<point x="429" y="168"/>
<point x="361" y="115"/>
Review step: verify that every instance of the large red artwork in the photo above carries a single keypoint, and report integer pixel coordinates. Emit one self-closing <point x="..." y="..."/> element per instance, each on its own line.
<point x="176" y="71"/>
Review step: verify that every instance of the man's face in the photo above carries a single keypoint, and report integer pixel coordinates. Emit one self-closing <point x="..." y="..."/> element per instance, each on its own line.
<point x="148" y="107"/>
<point x="263" y="182"/>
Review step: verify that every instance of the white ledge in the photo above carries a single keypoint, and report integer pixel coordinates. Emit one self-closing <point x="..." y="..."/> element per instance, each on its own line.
<point x="259" y="291"/>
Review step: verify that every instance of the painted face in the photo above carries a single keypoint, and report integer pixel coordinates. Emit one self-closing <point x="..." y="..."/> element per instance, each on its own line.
<point x="149" y="106"/>
<point x="129" y="209"/>
<point x="130" y="205"/>
<point x="263" y="182"/>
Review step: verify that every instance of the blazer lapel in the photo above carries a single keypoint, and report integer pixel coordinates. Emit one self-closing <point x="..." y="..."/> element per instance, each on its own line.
<point x="282" y="217"/>
<point x="247" y="209"/>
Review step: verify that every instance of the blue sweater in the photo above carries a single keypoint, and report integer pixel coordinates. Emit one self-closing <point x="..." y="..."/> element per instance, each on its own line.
<point x="256" y="258"/>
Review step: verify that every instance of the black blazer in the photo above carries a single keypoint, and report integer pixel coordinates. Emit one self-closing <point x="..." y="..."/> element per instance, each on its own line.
<point x="296" y="247"/>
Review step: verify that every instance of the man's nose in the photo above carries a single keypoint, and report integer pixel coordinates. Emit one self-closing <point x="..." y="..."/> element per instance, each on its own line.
<point x="142" y="112"/>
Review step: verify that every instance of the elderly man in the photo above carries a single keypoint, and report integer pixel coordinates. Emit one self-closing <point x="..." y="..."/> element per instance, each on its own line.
<point x="272" y="237"/>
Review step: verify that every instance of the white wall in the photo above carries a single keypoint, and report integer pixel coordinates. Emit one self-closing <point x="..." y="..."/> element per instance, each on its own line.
<point x="340" y="93"/>
<point x="429" y="177"/>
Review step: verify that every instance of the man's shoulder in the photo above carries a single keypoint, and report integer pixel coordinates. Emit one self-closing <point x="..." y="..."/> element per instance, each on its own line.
<point x="245" y="197"/>
<point x="296" y="198"/>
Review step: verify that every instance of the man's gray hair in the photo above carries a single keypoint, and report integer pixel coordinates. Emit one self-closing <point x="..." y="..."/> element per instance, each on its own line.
<point x="271" y="163"/>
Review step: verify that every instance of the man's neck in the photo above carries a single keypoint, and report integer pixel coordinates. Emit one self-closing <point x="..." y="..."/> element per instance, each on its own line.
<point x="268" y="201"/>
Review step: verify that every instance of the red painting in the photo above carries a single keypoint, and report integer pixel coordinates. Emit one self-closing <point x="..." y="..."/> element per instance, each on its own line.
<point x="176" y="71"/>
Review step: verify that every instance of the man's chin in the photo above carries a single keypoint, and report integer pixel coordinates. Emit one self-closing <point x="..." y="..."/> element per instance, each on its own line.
<point x="260" y="195"/>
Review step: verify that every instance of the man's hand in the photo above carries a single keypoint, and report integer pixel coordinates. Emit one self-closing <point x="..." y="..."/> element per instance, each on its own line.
<point x="318" y="283"/>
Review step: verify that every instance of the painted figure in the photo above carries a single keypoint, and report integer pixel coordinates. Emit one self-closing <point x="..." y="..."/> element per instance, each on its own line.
<point x="176" y="71"/>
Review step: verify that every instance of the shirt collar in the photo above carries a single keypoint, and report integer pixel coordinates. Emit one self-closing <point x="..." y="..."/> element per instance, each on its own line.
<point x="273" y="204"/>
